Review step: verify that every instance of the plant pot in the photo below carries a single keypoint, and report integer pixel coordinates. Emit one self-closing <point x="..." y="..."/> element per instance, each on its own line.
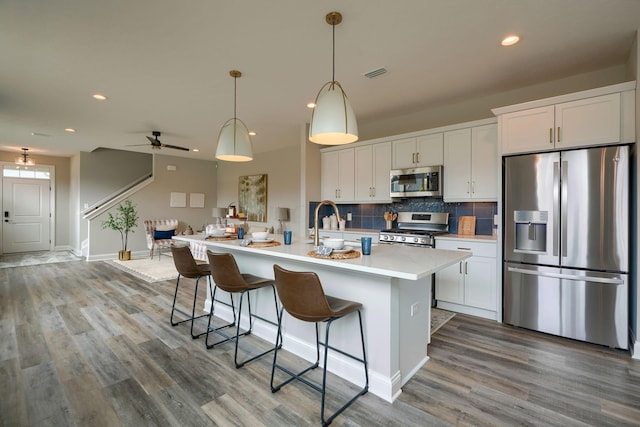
<point x="124" y="255"/>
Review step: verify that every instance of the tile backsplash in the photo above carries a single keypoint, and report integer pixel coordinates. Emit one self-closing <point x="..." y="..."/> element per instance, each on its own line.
<point x="371" y="215"/>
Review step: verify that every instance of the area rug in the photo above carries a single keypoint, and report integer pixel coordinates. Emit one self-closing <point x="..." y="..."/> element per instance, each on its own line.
<point x="439" y="318"/>
<point x="148" y="269"/>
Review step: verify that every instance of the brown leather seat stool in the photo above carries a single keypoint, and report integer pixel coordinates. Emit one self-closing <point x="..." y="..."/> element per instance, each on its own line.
<point x="227" y="276"/>
<point x="302" y="296"/>
<point x="187" y="267"/>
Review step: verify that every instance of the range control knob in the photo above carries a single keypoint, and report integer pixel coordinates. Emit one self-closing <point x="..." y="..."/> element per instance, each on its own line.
<point x="403" y="238"/>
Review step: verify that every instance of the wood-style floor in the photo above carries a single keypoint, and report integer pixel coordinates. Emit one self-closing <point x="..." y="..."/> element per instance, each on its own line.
<point x="89" y="345"/>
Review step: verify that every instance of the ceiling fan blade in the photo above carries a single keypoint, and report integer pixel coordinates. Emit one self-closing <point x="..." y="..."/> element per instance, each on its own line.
<point x="151" y="140"/>
<point x="175" y="147"/>
<point x="137" y="145"/>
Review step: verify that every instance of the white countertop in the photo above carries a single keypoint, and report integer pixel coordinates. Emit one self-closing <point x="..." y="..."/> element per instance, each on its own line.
<point x="404" y="262"/>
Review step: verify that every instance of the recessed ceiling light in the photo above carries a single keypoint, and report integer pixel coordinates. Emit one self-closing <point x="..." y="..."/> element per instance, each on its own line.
<point x="99" y="97"/>
<point x="195" y="150"/>
<point x="510" y="40"/>
<point x="71" y="130"/>
<point x="311" y="105"/>
<point x="252" y="133"/>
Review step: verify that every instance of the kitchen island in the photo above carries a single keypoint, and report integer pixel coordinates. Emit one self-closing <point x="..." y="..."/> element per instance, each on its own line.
<point x="393" y="284"/>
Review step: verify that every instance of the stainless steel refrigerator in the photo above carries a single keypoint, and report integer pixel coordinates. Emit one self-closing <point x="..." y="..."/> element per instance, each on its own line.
<point x="566" y="243"/>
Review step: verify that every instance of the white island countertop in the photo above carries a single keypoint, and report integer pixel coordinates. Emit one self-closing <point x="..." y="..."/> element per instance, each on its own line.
<point x="404" y="262"/>
<point x="393" y="284"/>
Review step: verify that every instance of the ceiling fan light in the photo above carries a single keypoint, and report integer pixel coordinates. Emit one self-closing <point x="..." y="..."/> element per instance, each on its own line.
<point x="234" y="142"/>
<point x="333" y="121"/>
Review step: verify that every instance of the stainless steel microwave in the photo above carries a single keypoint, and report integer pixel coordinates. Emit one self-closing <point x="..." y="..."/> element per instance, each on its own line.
<point x="417" y="182"/>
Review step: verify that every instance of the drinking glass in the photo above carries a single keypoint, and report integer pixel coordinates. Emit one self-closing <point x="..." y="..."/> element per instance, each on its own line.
<point x="366" y="245"/>
<point x="287" y="237"/>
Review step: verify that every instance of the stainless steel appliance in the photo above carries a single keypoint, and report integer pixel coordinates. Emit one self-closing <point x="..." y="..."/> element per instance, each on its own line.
<point x="566" y="243"/>
<point x="416" y="182"/>
<point x="416" y="229"/>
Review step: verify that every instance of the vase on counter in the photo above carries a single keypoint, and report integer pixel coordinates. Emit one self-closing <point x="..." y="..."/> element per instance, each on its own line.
<point x="388" y="225"/>
<point x="333" y="221"/>
<point x="326" y="223"/>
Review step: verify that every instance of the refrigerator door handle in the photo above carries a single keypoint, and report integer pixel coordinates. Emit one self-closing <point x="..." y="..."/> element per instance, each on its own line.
<point x="566" y="276"/>
<point x="563" y="207"/>
<point x="556" y="207"/>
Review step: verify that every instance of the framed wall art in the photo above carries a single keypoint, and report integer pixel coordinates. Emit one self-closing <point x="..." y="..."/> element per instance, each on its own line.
<point x="252" y="197"/>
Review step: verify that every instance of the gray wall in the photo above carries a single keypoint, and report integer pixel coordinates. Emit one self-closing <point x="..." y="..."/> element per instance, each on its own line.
<point x="99" y="176"/>
<point x="152" y="202"/>
<point x="283" y="168"/>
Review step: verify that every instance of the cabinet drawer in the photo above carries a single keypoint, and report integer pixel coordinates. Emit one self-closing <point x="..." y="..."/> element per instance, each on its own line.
<point x="485" y="249"/>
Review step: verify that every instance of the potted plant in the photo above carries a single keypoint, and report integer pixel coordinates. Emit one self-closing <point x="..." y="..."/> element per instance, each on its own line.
<point x="124" y="221"/>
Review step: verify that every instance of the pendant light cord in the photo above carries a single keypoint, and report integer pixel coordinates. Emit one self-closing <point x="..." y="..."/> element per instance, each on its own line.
<point x="333" y="71"/>
<point x="235" y="95"/>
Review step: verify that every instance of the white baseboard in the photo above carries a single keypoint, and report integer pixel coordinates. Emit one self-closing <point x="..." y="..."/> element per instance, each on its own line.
<point x="105" y="257"/>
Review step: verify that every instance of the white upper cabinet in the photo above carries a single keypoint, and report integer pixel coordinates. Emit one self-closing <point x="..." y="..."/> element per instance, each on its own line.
<point x="424" y="150"/>
<point x="471" y="164"/>
<point x="588" y="120"/>
<point x="372" y="166"/>
<point x="338" y="177"/>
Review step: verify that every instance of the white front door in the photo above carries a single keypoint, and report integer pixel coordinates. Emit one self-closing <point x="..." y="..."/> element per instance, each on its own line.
<point x="26" y="215"/>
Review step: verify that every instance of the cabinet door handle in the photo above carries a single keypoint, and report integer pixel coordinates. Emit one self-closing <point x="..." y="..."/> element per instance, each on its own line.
<point x="373" y="191"/>
<point x="550" y="135"/>
<point x="467" y="187"/>
<point x="473" y="187"/>
<point x="418" y="157"/>
<point x="466" y="268"/>
<point x="413" y="157"/>
<point x="558" y="136"/>
<point x="336" y="193"/>
<point x="460" y="264"/>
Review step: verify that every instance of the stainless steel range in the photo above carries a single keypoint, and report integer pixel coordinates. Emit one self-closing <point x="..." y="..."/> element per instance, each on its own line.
<point x="416" y="229"/>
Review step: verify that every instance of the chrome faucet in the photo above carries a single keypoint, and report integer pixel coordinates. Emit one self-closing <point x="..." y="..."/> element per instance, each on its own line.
<point x="316" y="238"/>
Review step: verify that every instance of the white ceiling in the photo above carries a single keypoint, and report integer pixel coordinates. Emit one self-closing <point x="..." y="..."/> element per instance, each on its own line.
<point x="164" y="64"/>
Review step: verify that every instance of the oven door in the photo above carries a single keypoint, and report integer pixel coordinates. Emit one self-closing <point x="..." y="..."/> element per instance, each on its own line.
<point x="416" y="182"/>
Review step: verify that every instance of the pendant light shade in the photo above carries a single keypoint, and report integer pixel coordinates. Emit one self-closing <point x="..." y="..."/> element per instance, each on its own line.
<point x="234" y="142"/>
<point x="333" y="121"/>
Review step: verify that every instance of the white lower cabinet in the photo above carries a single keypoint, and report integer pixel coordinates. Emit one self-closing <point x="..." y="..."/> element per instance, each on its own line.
<point x="469" y="287"/>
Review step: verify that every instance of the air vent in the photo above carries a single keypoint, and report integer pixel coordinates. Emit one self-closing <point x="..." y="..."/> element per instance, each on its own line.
<point x="375" y="73"/>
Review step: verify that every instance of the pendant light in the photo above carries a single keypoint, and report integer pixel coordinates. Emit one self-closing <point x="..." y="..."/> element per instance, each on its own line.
<point x="24" y="159"/>
<point x="333" y="121"/>
<point x="234" y="142"/>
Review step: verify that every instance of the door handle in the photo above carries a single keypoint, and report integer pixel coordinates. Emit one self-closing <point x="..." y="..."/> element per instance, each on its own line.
<point x="558" y="135"/>
<point x="556" y="208"/>
<point x="566" y="276"/>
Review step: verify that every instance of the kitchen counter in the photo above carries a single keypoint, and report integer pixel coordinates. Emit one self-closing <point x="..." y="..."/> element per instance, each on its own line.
<point x="393" y="284"/>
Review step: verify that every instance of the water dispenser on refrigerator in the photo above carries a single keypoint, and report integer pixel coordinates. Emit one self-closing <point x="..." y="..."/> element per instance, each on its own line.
<point x="530" y="231"/>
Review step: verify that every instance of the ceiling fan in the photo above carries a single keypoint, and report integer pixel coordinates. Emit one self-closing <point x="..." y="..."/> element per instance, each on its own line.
<point x="156" y="144"/>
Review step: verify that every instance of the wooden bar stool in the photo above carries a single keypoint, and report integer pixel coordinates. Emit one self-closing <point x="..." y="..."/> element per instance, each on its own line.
<point x="302" y="296"/>
<point x="226" y="275"/>
<point x="187" y="267"/>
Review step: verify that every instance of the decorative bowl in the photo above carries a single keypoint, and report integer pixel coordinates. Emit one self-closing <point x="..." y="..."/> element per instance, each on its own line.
<point x="333" y="243"/>
<point x="260" y="235"/>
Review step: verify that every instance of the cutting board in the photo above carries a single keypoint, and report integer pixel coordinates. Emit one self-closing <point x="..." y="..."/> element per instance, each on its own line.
<point x="467" y="225"/>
